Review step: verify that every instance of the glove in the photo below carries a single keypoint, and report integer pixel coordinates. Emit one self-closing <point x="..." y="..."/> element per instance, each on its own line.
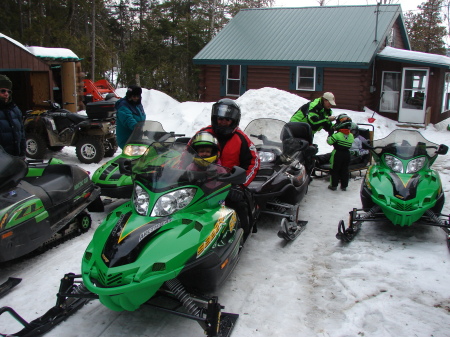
<point x="236" y="194"/>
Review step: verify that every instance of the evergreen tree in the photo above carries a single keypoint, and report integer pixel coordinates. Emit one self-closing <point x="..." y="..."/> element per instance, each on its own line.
<point x="426" y="32"/>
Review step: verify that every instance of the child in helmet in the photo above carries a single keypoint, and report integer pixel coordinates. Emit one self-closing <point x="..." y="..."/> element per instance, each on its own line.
<point x="340" y="156"/>
<point x="206" y="152"/>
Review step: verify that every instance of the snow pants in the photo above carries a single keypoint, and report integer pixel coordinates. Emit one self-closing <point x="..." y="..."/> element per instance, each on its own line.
<point x="339" y="170"/>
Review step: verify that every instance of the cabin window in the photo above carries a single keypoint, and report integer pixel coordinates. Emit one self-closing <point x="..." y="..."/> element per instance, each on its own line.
<point x="390" y="38"/>
<point x="390" y="91"/>
<point x="233" y="80"/>
<point x="446" y="98"/>
<point x="306" y="78"/>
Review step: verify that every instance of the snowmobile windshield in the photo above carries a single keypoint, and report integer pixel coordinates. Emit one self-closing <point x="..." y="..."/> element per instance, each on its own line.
<point x="165" y="166"/>
<point x="148" y="132"/>
<point x="265" y="134"/>
<point x="405" y="144"/>
<point x="276" y="136"/>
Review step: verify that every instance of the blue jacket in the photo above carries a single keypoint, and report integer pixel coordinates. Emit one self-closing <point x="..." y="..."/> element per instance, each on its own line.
<point x="128" y="114"/>
<point x="12" y="133"/>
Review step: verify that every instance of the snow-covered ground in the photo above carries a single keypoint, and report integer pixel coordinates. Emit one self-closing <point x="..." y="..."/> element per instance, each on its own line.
<point x="387" y="282"/>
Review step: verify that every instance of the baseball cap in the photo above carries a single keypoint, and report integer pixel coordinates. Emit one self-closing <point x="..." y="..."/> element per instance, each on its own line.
<point x="329" y="97"/>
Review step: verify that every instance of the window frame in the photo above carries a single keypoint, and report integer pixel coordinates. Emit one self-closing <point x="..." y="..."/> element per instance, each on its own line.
<point x="314" y="78"/>
<point x="228" y="79"/>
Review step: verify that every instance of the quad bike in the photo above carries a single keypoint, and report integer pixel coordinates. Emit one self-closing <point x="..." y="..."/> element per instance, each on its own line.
<point x="174" y="241"/>
<point x="42" y="209"/>
<point x="286" y="156"/>
<point x="117" y="185"/>
<point x="400" y="187"/>
<point x="92" y="135"/>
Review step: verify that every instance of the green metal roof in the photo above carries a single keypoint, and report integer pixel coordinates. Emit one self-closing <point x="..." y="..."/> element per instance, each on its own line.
<point x="338" y="36"/>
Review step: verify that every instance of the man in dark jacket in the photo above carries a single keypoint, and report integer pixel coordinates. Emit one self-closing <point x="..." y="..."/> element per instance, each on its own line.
<point x="12" y="133"/>
<point x="236" y="149"/>
<point x="317" y="113"/>
<point x="129" y="112"/>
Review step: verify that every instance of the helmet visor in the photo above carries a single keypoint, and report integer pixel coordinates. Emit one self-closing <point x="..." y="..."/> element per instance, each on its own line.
<point x="225" y="111"/>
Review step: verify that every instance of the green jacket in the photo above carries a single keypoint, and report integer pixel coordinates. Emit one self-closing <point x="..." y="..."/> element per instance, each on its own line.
<point x="340" y="142"/>
<point x="315" y="115"/>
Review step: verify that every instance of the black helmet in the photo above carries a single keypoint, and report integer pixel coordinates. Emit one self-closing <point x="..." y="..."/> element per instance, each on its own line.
<point x="205" y="139"/>
<point x="225" y="108"/>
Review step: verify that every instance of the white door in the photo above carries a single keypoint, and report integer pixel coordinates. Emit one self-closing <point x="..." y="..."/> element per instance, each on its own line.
<point x="413" y="95"/>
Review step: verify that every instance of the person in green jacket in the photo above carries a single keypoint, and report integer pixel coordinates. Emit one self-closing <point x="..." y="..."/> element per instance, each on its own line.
<point x="342" y="141"/>
<point x="317" y="113"/>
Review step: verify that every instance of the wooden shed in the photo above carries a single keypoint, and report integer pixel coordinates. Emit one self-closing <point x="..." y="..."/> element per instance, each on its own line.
<point x="40" y="78"/>
<point x="311" y="50"/>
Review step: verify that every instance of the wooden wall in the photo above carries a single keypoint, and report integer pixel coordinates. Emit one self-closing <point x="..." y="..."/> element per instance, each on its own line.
<point x="15" y="57"/>
<point x="350" y="86"/>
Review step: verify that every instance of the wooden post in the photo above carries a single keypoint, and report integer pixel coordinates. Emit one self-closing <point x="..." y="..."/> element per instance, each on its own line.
<point x="69" y="86"/>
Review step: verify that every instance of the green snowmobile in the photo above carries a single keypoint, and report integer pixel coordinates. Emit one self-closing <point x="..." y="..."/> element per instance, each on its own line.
<point x="401" y="187"/>
<point x="117" y="185"/>
<point x="174" y="239"/>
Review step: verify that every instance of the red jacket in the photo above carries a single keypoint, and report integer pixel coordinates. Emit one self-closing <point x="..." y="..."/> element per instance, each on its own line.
<point x="238" y="151"/>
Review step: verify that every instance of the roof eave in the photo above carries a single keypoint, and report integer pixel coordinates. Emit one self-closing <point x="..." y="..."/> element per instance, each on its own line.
<point x="416" y="62"/>
<point x="283" y="63"/>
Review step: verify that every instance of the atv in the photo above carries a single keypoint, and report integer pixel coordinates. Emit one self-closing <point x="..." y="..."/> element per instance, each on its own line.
<point x="43" y="209"/>
<point x="92" y="135"/>
<point x="173" y="242"/>
<point x="116" y="185"/>
<point x="400" y="187"/>
<point x="286" y="157"/>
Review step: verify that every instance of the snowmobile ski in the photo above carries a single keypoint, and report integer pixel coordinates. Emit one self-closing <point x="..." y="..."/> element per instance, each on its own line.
<point x="10" y="283"/>
<point x="289" y="231"/>
<point x="70" y="298"/>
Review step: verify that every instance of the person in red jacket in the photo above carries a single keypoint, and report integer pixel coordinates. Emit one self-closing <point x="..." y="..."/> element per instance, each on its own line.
<point x="236" y="149"/>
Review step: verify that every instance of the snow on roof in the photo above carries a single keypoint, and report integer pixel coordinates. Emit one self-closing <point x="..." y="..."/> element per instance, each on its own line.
<point x="14" y="41"/>
<point x="415" y="56"/>
<point x="45" y="53"/>
<point x="53" y="53"/>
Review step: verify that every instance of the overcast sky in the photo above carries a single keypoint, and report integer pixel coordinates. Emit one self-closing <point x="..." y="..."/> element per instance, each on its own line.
<point x="407" y="5"/>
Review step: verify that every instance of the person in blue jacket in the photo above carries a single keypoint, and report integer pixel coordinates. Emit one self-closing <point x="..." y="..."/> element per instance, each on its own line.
<point x="12" y="133"/>
<point x="129" y="112"/>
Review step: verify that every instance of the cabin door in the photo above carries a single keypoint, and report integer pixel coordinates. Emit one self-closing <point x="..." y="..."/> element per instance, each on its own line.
<point x="413" y="95"/>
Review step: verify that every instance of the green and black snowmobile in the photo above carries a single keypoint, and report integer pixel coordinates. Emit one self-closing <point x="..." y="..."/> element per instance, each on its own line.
<point x="174" y="239"/>
<point x="117" y="185"/>
<point x="42" y="208"/>
<point x="401" y="187"/>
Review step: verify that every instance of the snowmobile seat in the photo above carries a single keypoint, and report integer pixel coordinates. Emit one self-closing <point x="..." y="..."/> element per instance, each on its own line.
<point x="57" y="181"/>
<point x="12" y="170"/>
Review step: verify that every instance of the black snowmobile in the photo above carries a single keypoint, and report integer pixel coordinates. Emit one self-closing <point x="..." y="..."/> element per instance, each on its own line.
<point x="38" y="211"/>
<point x="286" y="155"/>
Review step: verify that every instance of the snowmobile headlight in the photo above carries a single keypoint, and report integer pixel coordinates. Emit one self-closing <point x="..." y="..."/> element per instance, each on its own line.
<point x="266" y="157"/>
<point x="173" y="201"/>
<point x="135" y="150"/>
<point x="394" y="164"/>
<point x="141" y="200"/>
<point x="415" y="165"/>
